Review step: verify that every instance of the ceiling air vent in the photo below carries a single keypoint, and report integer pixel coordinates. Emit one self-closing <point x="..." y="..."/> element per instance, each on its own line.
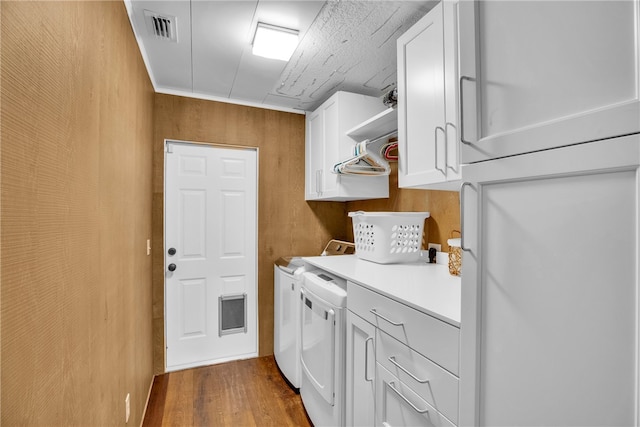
<point x="162" y="27"/>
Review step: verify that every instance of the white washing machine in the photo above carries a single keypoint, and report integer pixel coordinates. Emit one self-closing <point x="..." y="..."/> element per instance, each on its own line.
<point x="323" y="351"/>
<point x="287" y="282"/>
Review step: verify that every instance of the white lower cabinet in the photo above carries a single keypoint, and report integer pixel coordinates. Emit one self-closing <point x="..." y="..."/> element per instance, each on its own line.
<point x="434" y="385"/>
<point x="402" y="364"/>
<point x="398" y="405"/>
<point x="361" y="369"/>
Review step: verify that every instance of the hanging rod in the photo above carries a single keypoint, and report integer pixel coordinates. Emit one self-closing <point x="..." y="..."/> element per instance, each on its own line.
<point x="392" y="133"/>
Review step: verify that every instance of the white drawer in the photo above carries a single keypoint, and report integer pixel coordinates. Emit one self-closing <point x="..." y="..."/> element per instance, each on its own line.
<point x="429" y="336"/>
<point x="436" y="386"/>
<point x="397" y="405"/>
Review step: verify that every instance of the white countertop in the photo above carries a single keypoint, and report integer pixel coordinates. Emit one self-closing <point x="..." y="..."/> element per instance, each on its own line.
<point x="428" y="288"/>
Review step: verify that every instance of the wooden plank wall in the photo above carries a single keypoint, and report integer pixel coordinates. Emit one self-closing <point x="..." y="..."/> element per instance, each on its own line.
<point x="443" y="207"/>
<point x="77" y="128"/>
<point x="287" y="225"/>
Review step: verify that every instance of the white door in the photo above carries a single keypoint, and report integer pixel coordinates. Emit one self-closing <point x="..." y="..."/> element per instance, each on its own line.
<point x="210" y="254"/>
<point x="550" y="288"/>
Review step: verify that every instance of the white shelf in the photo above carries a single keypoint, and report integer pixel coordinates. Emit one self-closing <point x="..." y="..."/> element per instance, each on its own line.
<point x="378" y="125"/>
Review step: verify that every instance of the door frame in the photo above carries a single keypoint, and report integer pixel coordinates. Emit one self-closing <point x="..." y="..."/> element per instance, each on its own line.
<point x="166" y="142"/>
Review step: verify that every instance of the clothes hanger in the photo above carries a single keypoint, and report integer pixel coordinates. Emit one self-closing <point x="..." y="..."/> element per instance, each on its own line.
<point x="363" y="162"/>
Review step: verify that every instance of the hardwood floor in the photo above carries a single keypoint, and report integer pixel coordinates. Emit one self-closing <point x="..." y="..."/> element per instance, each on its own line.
<point x="242" y="393"/>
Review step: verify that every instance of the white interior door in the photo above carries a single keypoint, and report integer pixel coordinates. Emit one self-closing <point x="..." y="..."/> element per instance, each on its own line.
<point x="210" y="254"/>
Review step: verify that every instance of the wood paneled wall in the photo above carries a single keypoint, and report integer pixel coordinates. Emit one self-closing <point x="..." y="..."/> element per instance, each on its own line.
<point x="76" y="169"/>
<point x="443" y="206"/>
<point x="287" y="225"/>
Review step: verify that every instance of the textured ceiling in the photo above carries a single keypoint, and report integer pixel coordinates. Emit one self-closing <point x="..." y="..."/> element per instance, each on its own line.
<point x="350" y="46"/>
<point x="345" y="45"/>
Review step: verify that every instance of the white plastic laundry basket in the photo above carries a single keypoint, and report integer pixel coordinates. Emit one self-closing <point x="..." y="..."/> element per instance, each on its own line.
<point x="388" y="237"/>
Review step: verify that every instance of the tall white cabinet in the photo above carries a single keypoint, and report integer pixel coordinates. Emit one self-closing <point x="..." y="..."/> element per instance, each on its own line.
<point x="550" y="138"/>
<point x="328" y="143"/>
<point x="427" y="101"/>
<point x="537" y="75"/>
<point x="550" y="295"/>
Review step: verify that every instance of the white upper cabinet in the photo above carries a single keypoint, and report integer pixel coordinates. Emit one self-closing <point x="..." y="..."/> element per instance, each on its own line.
<point x="327" y="143"/>
<point x="427" y="101"/>
<point x="536" y="75"/>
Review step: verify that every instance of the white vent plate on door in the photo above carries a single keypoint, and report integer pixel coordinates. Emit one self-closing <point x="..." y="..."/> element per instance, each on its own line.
<point x="162" y="27"/>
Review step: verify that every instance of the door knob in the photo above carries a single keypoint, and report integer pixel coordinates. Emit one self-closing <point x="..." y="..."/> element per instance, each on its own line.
<point x="172" y="251"/>
<point x="172" y="267"/>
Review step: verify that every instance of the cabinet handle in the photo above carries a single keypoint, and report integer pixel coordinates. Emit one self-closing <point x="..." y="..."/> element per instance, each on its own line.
<point x="446" y="139"/>
<point x="443" y="171"/>
<point x="415" y="408"/>
<point x="375" y="313"/>
<point x="392" y="359"/>
<point x="318" y="172"/>
<point x="462" y="246"/>
<point x="366" y="359"/>
<point x="462" y="79"/>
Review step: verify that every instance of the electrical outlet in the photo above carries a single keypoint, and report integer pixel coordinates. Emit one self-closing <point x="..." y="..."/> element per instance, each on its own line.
<point x="437" y="246"/>
<point x="127" y="408"/>
<point x="148" y="246"/>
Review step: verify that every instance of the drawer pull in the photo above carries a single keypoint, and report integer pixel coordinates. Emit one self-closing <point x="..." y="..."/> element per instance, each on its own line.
<point x="375" y="313"/>
<point x="392" y="359"/>
<point x="415" y="408"/>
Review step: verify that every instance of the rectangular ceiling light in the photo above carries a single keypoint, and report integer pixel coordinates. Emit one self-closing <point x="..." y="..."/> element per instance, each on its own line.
<point x="274" y="42"/>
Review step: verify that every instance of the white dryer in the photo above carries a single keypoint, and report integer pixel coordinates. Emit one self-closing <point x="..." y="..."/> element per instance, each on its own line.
<point x="323" y="357"/>
<point x="287" y="281"/>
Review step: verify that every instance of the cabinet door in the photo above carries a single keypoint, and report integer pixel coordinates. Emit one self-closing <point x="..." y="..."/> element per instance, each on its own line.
<point x="544" y="74"/>
<point x="331" y="112"/>
<point x="421" y="102"/>
<point x="314" y="155"/>
<point x="550" y="287"/>
<point x="452" y="136"/>
<point x="361" y="362"/>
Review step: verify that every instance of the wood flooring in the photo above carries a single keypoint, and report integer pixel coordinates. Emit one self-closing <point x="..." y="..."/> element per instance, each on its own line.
<point x="242" y="393"/>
